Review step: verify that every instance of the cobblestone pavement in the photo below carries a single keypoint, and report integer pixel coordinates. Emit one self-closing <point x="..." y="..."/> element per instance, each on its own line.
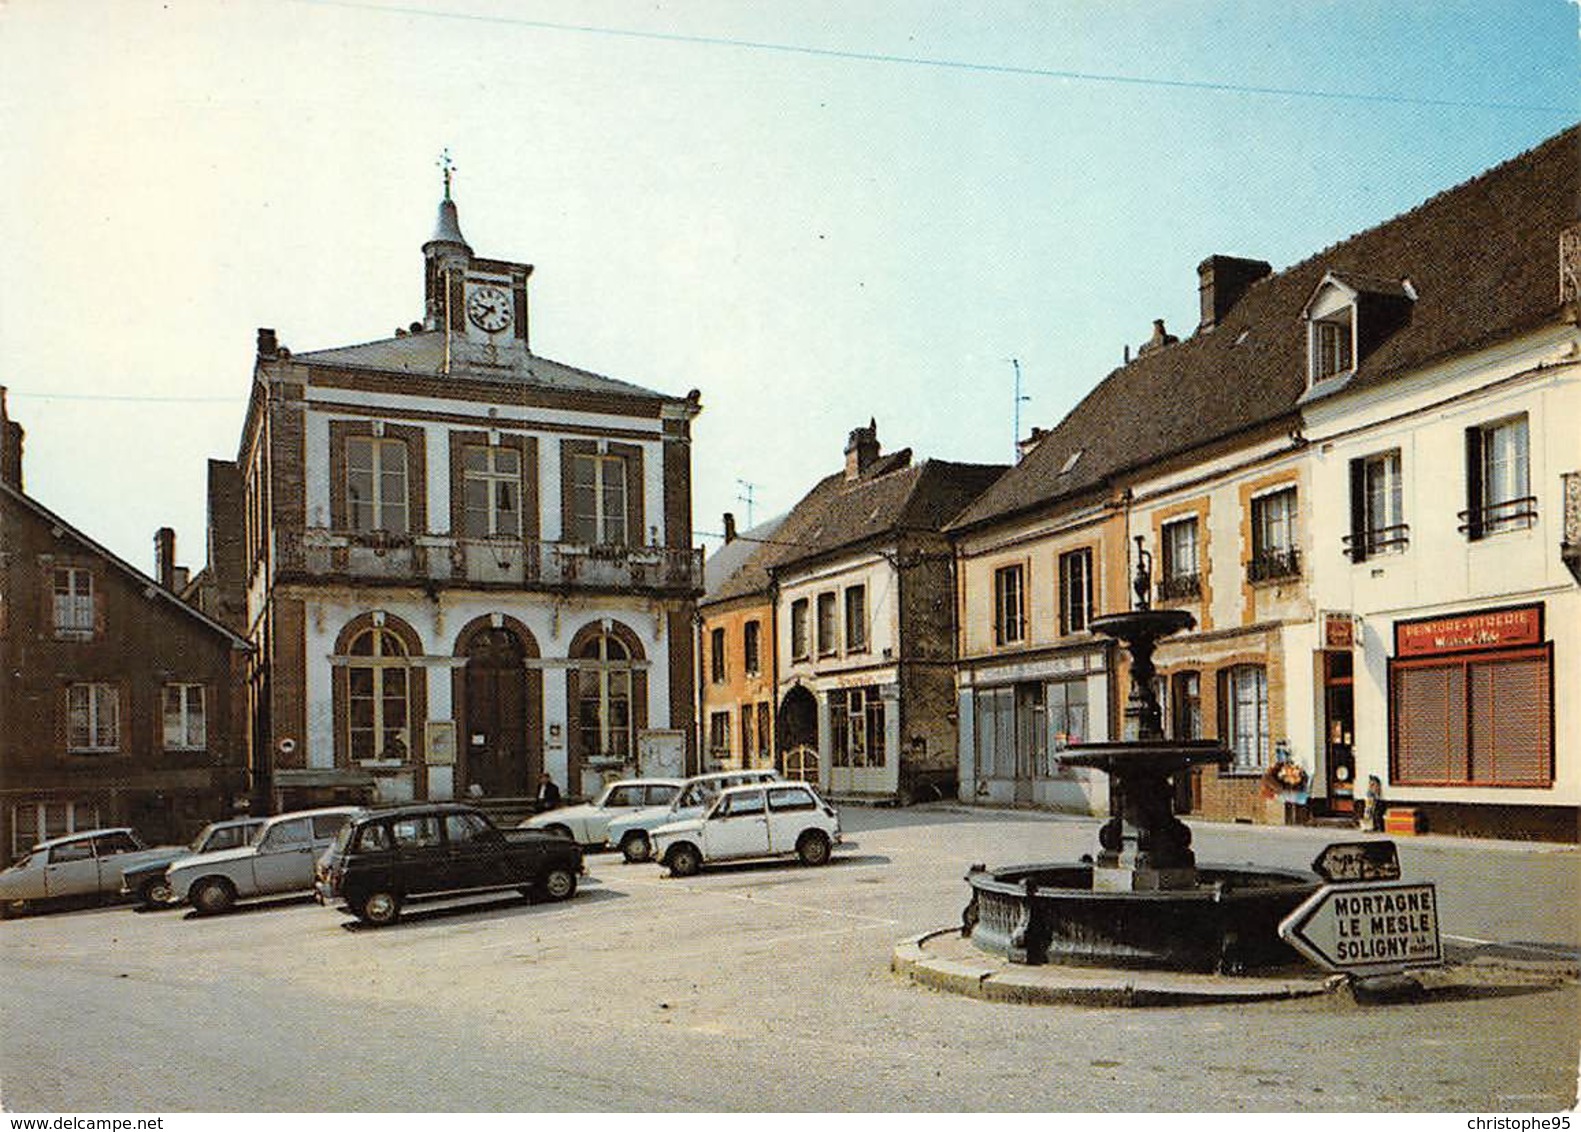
<point x="764" y="987"/>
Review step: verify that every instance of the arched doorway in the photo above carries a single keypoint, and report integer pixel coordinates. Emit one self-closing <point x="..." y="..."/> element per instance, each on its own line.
<point x="502" y="756"/>
<point x="797" y="729"/>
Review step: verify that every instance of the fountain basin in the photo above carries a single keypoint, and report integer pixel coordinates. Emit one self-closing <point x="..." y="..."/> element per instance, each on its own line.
<point x="1050" y="913"/>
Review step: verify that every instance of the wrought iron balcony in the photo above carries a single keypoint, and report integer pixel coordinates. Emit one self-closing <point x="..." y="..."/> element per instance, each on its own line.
<point x="1508" y="515"/>
<point x="491" y="562"/>
<point x="1180" y="587"/>
<point x="1274" y="566"/>
<point x="1382" y="540"/>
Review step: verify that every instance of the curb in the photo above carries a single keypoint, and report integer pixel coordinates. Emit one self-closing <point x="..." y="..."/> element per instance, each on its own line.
<point x="994" y="980"/>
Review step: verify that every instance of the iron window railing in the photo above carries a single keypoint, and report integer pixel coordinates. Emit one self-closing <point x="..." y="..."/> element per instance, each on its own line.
<point x="1378" y="541"/>
<point x="1508" y="515"/>
<point x="1180" y="587"/>
<point x="1274" y="565"/>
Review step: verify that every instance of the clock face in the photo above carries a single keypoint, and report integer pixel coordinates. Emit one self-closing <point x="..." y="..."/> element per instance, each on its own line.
<point x="489" y="308"/>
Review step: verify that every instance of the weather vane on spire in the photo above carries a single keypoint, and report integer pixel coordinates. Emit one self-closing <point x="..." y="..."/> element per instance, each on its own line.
<point x="448" y="166"/>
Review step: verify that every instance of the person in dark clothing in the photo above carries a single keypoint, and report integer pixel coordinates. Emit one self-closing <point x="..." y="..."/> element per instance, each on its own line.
<point x="548" y="796"/>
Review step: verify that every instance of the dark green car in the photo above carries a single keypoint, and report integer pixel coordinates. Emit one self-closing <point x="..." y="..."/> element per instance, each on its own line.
<point x="385" y="859"/>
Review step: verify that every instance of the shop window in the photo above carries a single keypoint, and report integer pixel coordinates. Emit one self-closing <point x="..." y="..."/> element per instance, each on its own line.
<point x="1274" y="553"/>
<point x="1009" y="605"/>
<point x="185" y="723"/>
<point x="1245" y="699"/>
<point x="856" y="618"/>
<point x="856" y="727"/>
<point x="1180" y="579"/>
<point x="1486" y="721"/>
<point x="1075" y="590"/>
<point x="93" y="718"/>
<point x="1498" y="479"/>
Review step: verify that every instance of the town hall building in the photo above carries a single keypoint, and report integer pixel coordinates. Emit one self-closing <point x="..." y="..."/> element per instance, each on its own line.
<point x="462" y="564"/>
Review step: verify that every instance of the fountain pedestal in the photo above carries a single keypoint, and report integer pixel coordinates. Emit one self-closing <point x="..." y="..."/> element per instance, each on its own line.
<point x="1141" y="900"/>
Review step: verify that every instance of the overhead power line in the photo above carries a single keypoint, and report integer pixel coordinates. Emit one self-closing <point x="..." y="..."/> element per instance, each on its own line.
<point x="946" y="64"/>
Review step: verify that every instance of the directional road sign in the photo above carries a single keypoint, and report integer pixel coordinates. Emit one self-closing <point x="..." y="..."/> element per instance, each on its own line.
<point x="1367" y="929"/>
<point x="1358" y="860"/>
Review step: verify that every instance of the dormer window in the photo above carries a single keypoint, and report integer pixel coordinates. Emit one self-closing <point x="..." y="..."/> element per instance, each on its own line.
<point x="1333" y="345"/>
<point x="1348" y="316"/>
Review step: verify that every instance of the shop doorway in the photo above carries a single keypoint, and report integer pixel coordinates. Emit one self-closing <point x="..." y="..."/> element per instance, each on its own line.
<point x="1339" y="726"/>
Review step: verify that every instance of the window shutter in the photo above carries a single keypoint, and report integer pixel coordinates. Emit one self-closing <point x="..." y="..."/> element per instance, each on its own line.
<point x="1358" y="511"/>
<point x="1430" y="724"/>
<point x="1473" y="483"/>
<point x="1510" y="722"/>
<point x="1064" y="595"/>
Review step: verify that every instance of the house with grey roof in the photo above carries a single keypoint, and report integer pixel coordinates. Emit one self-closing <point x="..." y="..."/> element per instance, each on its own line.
<point x="863" y="589"/>
<point x="462" y="563"/>
<point x="1258" y="466"/>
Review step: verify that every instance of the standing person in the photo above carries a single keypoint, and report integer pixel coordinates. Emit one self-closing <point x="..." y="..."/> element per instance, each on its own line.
<point x="548" y="796"/>
<point x="1372" y="816"/>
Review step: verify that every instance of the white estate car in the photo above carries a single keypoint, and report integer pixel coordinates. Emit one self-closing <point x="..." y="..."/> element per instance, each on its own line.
<point x="629" y="833"/>
<point x="588" y="823"/>
<point x="779" y="819"/>
<point x="278" y="860"/>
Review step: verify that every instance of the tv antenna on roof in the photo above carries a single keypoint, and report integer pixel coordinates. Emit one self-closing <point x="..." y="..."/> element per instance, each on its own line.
<point x="745" y="496"/>
<point x="1015" y="445"/>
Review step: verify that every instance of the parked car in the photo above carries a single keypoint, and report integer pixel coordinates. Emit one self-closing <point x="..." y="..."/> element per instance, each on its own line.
<point x="780" y="819"/>
<point x="77" y="865"/>
<point x="383" y="859"/>
<point x="146" y="882"/>
<point x="588" y="823"/>
<point x="279" y="860"/>
<point x="629" y="833"/>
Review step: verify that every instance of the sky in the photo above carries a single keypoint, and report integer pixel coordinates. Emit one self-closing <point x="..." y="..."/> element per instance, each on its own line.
<point x="815" y="213"/>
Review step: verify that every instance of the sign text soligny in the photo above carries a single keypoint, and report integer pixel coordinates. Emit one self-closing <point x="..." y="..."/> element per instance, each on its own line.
<point x="1368" y="929"/>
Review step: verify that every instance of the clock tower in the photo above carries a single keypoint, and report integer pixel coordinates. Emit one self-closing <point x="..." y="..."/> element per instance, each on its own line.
<point x="480" y="301"/>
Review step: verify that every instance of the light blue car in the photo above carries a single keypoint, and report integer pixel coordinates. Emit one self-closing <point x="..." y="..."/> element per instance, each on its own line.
<point x="630" y="831"/>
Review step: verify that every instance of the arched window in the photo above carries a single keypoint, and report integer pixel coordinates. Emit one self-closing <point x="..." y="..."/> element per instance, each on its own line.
<point x="605" y="721"/>
<point x="379" y="696"/>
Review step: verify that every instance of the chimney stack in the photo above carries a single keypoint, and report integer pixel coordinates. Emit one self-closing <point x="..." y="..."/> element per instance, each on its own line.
<point x="165" y="557"/>
<point x="861" y="450"/>
<point x="1221" y="282"/>
<point x="1158" y="341"/>
<point x="730" y="528"/>
<point x="268" y="344"/>
<point x="10" y="447"/>
<point x="1024" y="447"/>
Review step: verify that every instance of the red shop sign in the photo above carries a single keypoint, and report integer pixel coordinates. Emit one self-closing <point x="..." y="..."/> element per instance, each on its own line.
<point x="1491" y="629"/>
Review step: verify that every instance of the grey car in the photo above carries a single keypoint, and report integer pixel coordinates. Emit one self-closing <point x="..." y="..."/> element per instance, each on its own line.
<point x="74" y="866"/>
<point x="278" y="861"/>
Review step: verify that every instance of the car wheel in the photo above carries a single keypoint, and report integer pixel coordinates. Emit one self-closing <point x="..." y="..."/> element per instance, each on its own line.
<point x="154" y="893"/>
<point x="212" y="895"/>
<point x="634" y="847"/>
<point x="557" y="884"/>
<point x="380" y="908"/>
<point x="13" y="908"/>
<point x="684" y="860"/>
<point x="812" y="848"/>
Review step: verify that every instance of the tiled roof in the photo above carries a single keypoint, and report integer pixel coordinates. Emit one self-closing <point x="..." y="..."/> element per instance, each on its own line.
<point x="729" y="571"/>
<point x="1481" y="257"/>
<point x="424" y="353"/>
<point x="892" y="497"/>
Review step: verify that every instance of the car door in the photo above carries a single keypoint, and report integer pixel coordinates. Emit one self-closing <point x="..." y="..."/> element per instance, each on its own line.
<point x="110" y="849"/>
<point x="424" y="861"/>
<point x="624" y="799"/>
<point x="737" y="827"/>
<point x="477" y="853"/>
<point x="72" y="869"/>
<point x="790" y="808"/>
<point x="283" y="861"/>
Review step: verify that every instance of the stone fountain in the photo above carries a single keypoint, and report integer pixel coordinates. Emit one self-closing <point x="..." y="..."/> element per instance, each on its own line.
<point x="1141" y="901"/>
